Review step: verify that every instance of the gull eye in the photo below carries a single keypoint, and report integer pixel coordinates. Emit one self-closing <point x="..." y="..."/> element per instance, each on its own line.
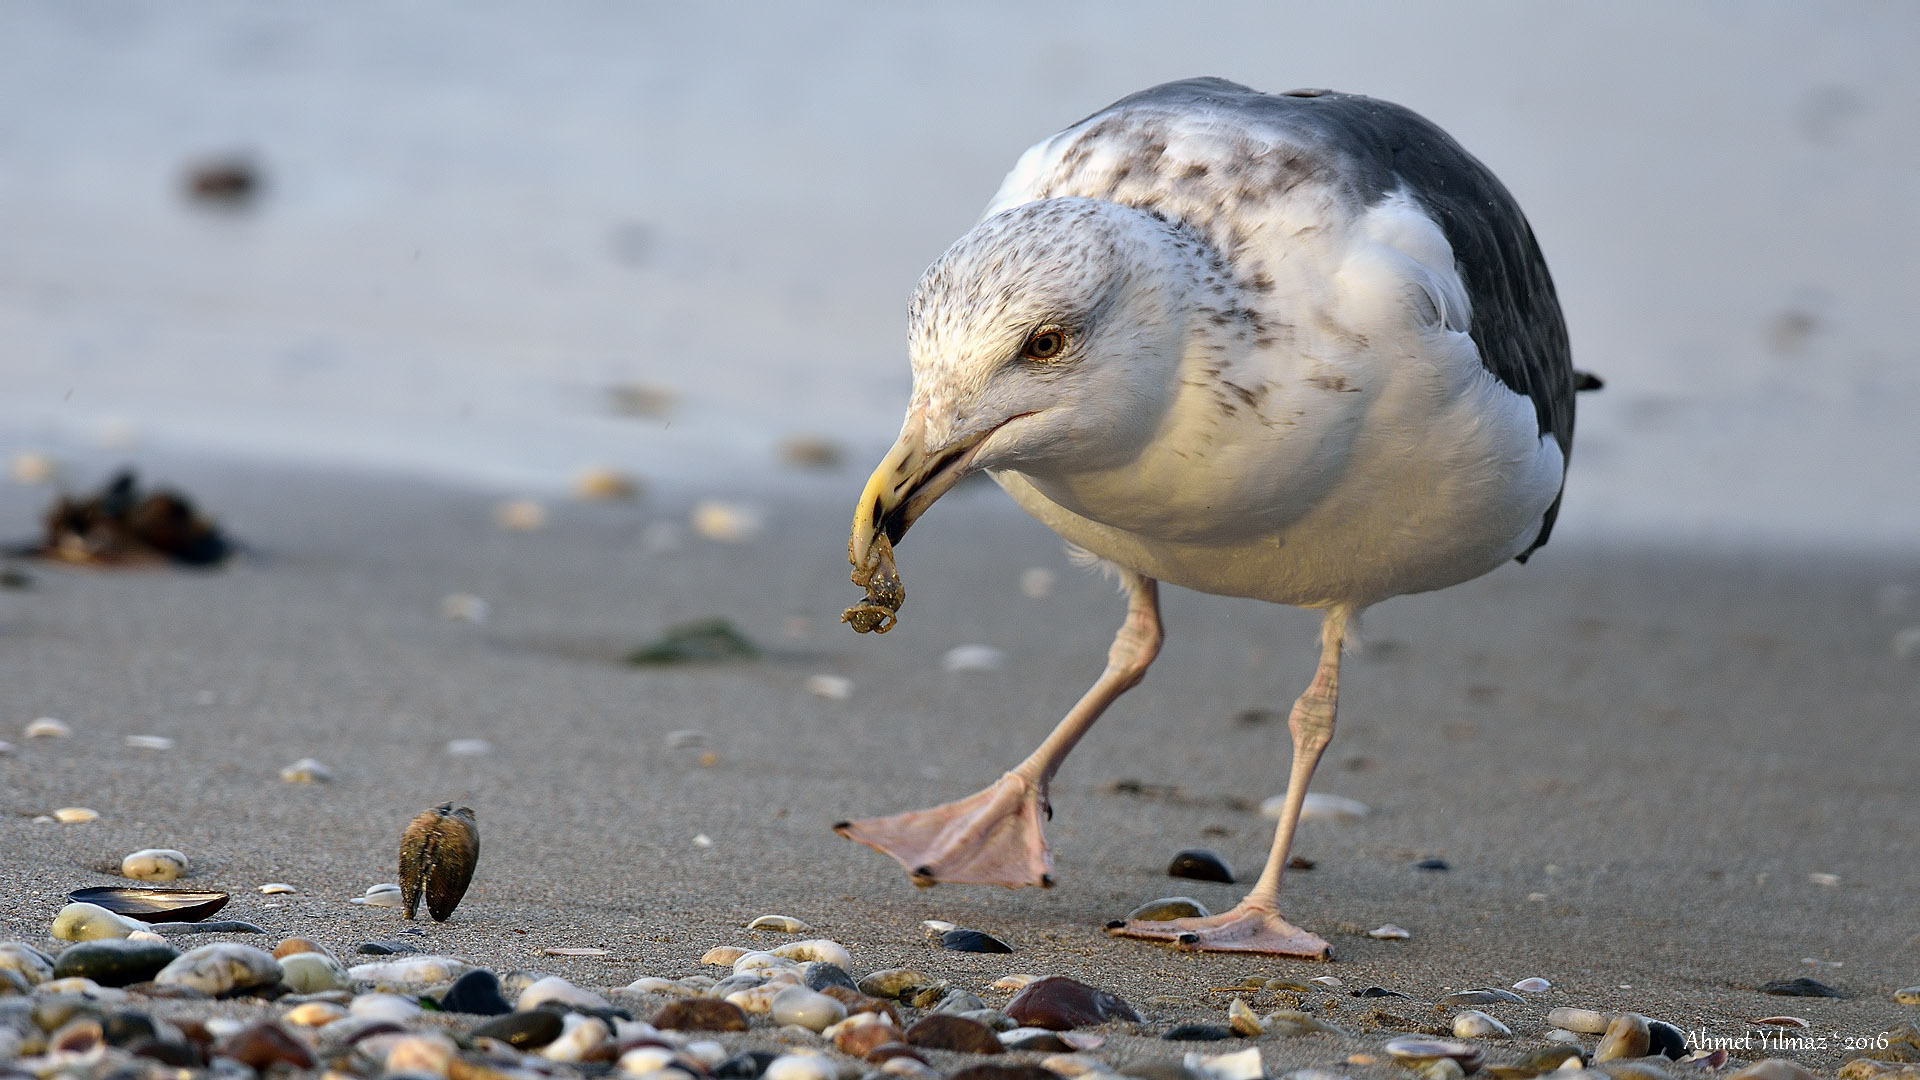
<point x="1045" y="346"/>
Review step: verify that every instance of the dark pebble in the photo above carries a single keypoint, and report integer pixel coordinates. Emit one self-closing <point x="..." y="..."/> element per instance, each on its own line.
<point x="386" y="948"/>
<point x="1198" y="1033"/>
<point x="1058" y="1003"/>
<point x="700" y="1014"/>
<point x="944" y="1031"/>
<point x="887" y="1051"/>
<point x="1431" y="864"/>
<point x="1301" y="862"/>
<point x="114" y="961"/>
<point x="994" y="1071"/>
<point x="1801" y="987"/>
<point x="176" y="1053"/>
<point x="476" y="992"/>
<point x="1200" y="865"/>
<point x="263" y="1045"/>
<point x="746" y="1065"/>
<point x="973" y="941"/>
<point x="1666" y="1040"/>
<point x="1377" y="991"/>
<point x="368" y="1029"/>
<point x="819" y="975"/>
<point x="127" y="1028"/>
<point x="528" y="1030"/>
<point x="211" y="926"/>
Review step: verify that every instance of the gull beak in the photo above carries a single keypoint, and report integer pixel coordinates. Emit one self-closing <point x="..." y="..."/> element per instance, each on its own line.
<point x="908" y="480"/>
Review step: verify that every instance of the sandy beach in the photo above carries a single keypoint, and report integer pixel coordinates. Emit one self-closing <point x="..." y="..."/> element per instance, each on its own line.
<point x="1631" y="760"/>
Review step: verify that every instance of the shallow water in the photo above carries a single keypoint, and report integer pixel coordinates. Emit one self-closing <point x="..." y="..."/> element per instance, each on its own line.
<point x="477" y="219"/>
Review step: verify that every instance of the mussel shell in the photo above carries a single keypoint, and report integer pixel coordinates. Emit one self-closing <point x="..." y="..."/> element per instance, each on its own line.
<point x="153" y="905"/>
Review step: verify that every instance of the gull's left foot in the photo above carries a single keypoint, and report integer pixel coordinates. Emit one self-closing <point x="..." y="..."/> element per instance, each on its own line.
<point x="1244" y="929"/>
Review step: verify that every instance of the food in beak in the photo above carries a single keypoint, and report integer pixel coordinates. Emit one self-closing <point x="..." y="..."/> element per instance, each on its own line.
<point x="877" y="613"/>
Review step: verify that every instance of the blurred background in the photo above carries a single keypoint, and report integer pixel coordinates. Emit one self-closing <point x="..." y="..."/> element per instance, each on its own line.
<point x="500" y="243"/>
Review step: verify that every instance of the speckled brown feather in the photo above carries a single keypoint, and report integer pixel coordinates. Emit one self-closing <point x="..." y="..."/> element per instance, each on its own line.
<point x="437" y="856"/>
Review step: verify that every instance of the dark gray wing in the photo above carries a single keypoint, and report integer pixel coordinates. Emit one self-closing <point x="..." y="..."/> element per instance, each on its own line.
<point x="1382" y="147"/>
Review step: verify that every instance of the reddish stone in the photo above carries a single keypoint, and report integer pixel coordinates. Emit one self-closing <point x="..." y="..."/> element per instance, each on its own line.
<point x="942" y="1031"/>
<point x="1058" y="1003"/>
<point x="701" y="1014"/>
<point x="261" y="1045"/>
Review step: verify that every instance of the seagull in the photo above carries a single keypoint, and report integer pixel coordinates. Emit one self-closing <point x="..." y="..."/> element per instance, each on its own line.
<point x="1300" y="347"/>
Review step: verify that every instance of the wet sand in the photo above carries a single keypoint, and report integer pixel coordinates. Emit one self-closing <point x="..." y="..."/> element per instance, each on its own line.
<point x="1630" y="759"/>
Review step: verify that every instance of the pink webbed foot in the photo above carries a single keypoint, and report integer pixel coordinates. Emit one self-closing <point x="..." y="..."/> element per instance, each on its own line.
<point x="989" y="838"/>
<point x="1243" y="929"/>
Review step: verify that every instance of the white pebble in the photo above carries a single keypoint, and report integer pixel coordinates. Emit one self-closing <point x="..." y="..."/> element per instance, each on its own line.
<point x="381" y="1006"/>
<point x="581" y="1036"/>
<point x="75" y="815"/>
<point x="1331" y="982"/>
<point x="306" y="771"/>
<point x="974" y="658"/>
<point x="653" y="984"/>
<point x="727" y="523"/>
<point x="520" y="515"/>
<point x="645" y="1060"/>
<point x="810" y="1010"/>
<point x="1829" y="880"/>
<point x="817" y="949"/>
<point x="90" y="922"/>
<point x="312" y="973"/>
<point x="1241" y="1065"/>
<point x="154" y="864"/>
<point x="469" y="747"/>
<point x="760" y="962"/>
<point x="32" y="467"/>
<point x="416" y="1054"/>
<point x="1534" y="985"/>
<point x="274" y="888"/>
<point x="702" y="840"/>
<point x="464" y="607"/>
<point x="831" y="687"/>
<point x="149" y="742"/>
<point x="1389" y="932"/>
<point x="221" y="968"/>
<point x="385" y="894"/>
<point x="47" y="728"/>
<point x="1561" y="1035"/>
<point x="938" y="926"/>
<point x="412" y="971"/>
<point x="312" y="1013"/>
<point x="724" y="955"/>
<point x="1473" y="1024"/>
<point x="1036" y="582"/>
<point x="1320" y="807"/>
<point x="600" y="483"/>
<point x="1586" y="1021"/>
<point x="222" y="1026"/>
<point x="555" y="988"/>
<point x="1014" y="982"/>
<point x="800" y="1067"/>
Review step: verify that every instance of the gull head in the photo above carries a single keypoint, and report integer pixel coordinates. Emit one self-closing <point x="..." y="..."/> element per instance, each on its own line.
<point x="1047" y="339"/>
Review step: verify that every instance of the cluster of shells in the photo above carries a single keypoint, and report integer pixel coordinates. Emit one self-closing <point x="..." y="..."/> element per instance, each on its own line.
<point x="129" y="1005"/>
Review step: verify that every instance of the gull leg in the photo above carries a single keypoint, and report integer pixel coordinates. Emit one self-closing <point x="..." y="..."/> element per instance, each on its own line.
<point x="994" y="837"/>
<point x="1255" y="924"/>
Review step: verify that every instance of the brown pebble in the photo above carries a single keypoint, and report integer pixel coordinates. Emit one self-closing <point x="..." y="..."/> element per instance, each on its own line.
<point x="861" y="1039"/>
<point x="857" y="1002"/>
<point x="264" y="1044"/>
<point x="1058" y="1003"/>
<point x="1772" y="1069"/>
<point x="701" y="1014"/>
<point x="887" y="1051"/>
<point x="298" y="945"/>
<point x="1627" y="1037"/>
<point x="944" y="1031"/>
<point x="991" y="1070"/>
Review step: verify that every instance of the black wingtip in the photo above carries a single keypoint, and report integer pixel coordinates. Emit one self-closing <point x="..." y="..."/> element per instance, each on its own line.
<point x="1587" y="380"/>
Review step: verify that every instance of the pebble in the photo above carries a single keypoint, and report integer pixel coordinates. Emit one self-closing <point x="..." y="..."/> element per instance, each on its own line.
<point x="959" y="1003"/>
<point x="277" y="888"/>
<point x="149" y="742"/>
<point x="1320" y="807"/>
<point x="1585" y="1021"/>
<point x="419" y="1054"/>
<point x="1389" y="932"/>
<point x="1666" y="1040"/>
<point x="221" y="968"/>
<point x="1036" y="582"/>
<point x="819" y="950"/>
<point x="75" y="815"/>
<point x="1290" y="1024"/>
<point x="1059" y="1003"/>
<point x="1626" y="1037"/>
<point x="807" y="1008"/>
<point x="727" y="523"/>
<point x="476" y="993"/>
<point x="556" y="989"/>
<point x="529" y="1030"/>
<point x="973" y="658"/>
<point x="861" y="1033"/>
<point x="811" y="452"/>
<point x="1200" y="864"/>
<point x="468" y="748"/>
<point x="819" y="975"/>
<point x="394" y="1008"/>
<point x="1907" y="995"/>
<point x="1474" y="1024"/>
<point x="154" y="864"/>
<point x="34" y="966"/>
<point x="1240" y="1065"/>
<point x="32" y="467"/>
<point x="700" y="1014"/>
<point x="415" y="971"/>
<point x="306" y="771"/>
<point x="90" y="922"/>
<point x="386" y="948"/>
<point x="385" y="894"/>
<point x="961" y="940"/>
<point x="1197" y="1033"/>
<point x="600" y="483"/>
<point x="724" y="955"/>
<point x="1013" y="982"/>
<point x="1800" y="987"/>
<point x="800" y="1067"/>
<point x="114" y="961"/>
<point x="785" y="924"/>
<point x="1169" y="907"/>
<point x="520" y="515"/>
<point x="314" y="1013"/>
<point x="580" y="1036"/>
<point x="893" y="982"/>
<point x="944" y="1031"/>
<point x="264" y="1044"/>
<point x="313" y="973"/>
<point x="1772" y="1069"/>
<point x="1534" y="985"/>
<point x="464" y="607"/>
<point x="762" y="962"/>
<point x="47" y="727"/>
<point x="1416" y="1049"/>
<point x="831" y="687"/>
<point x="1548" y="1059"/>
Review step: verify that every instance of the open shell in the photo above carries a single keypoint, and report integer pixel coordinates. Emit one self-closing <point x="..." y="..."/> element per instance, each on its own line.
<point x="153" y="905"/>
